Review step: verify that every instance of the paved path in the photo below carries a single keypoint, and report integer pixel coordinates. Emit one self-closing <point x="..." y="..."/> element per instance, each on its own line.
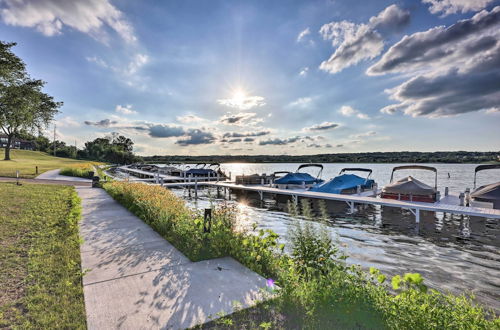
<point x="54" y="175"/>
<point x="137" y="280"/>
<point x="44" y="181"/>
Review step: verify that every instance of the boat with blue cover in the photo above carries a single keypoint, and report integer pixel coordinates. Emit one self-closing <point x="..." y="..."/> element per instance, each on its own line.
<point x="298" y="179"/>
<point x="348" y="184"/>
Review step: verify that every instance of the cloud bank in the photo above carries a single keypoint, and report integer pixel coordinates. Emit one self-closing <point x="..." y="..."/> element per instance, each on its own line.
<point x="50" y="16"/>
<point x="455" y="69"/>
<point x="357" y="42"/>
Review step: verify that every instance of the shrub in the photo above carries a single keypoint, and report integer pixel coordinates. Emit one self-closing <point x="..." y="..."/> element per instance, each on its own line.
<point x="78" y="170"/>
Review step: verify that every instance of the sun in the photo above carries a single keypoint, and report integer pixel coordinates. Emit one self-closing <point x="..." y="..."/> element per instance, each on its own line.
<point x="239" y="97"/>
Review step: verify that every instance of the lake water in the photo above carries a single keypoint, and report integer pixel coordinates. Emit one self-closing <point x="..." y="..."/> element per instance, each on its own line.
<point x="453" y="253"/>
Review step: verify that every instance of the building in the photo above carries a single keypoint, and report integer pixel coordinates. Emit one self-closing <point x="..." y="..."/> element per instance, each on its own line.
<point x="17" y="143"/>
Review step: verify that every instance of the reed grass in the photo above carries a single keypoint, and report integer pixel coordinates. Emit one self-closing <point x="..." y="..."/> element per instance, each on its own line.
<point x="85" y="170"/>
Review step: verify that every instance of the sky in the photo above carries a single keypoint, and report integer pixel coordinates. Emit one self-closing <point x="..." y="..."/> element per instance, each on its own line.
<point x="243" y="77"/>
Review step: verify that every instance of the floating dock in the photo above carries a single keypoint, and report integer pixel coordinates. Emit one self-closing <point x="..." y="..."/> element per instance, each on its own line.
<point x="448" y="204"/>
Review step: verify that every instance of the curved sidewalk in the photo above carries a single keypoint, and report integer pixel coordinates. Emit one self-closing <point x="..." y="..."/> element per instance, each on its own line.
<point x="54" y="175"/>
<point x="135" y="279"/>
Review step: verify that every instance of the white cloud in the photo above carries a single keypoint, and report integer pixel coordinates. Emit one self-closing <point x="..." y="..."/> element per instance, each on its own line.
<point x="325" y="126"/>
<point x="67" y="122"/>
<point x="137" y="62"/>
<point x="303" y="34"/>
<point x="304" y="71"/>
<point x="447" y="7"/>
<point x="50" y="16"/>
<point x="126" y="110"/>
<point x="301" y="102"/>
<point x="243" y="102"/>
<point x="187" y="119"/>
<point x="128" y="71"/>
<point x="357" y="42"/>
<point x="240" y="119"/>
<point x="349" y="111"/>
<point x="362" y="135"/>
<point x="454" y="69"/>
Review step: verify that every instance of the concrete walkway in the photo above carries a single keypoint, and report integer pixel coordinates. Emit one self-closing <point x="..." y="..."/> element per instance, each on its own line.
<point x="54" y="175"/>
<point x="137" y="280"/>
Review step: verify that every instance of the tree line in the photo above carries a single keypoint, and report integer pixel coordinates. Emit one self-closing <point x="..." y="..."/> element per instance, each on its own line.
<point x="113" y="148"/>
<point x="362" y="157"/>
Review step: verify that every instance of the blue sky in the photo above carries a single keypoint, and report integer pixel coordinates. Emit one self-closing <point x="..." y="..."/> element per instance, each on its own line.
<point x="267" y="77"/>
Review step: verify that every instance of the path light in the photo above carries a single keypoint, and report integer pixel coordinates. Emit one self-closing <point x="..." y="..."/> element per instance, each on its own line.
<point x="207" y="221"/>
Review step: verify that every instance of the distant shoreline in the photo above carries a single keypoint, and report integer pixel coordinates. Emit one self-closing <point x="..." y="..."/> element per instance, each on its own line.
<point x="443" y="157"/>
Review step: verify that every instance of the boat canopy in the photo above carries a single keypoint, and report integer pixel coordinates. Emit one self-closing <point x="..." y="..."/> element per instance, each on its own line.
<point x="488" y="193"/>
<point x="311" y="165"/>
<point x="409" y="185"/>
<point x="356" y="169"/>
<point x="298" y="179"/>
<point x="415" y="167"/>
<point x="484" y="167"/>
<point x="343" y="182"/>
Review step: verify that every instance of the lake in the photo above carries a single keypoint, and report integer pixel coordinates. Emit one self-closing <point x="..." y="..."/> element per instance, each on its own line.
<point x="453" y="253"/>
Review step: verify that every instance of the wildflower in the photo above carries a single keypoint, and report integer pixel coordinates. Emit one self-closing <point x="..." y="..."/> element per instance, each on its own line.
<point x="270" y="284"/>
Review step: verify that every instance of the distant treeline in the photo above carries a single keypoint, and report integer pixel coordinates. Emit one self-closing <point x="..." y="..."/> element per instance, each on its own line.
<point x="363" y="157"/>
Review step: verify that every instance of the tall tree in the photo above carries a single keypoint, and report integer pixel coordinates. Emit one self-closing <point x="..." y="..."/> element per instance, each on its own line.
<point x="23" y="104"/>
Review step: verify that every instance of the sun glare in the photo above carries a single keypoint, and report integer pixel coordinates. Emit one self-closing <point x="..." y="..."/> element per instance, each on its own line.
<point x="239" y="97"/>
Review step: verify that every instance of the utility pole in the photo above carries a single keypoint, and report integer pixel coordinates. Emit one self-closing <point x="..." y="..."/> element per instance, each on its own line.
<point x="55" y="139"/>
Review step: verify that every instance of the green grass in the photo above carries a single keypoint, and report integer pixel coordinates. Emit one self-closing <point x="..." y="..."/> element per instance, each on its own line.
<point x="40" y="274"/>
<point x="25" y="162"/>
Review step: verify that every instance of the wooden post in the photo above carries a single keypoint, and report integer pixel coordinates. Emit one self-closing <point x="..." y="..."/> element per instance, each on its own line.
<point x="36" y="170"/>
<point x="196" y="188"/>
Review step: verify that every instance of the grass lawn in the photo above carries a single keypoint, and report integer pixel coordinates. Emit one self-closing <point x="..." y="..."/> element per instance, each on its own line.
<point x="25" y="161"/>
<point x="40" y="275"/>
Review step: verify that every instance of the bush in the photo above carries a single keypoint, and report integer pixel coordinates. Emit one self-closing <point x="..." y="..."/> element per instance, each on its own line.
<point x="79" y="170"/>
<point x="317" y="288"/>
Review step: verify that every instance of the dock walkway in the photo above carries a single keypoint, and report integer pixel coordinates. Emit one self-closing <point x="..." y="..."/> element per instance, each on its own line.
<point x="135" y="279"/>
<point x="351" y="200"/>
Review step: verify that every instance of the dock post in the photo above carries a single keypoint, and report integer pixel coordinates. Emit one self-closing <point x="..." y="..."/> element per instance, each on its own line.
<point x="196" y="188"/>
<point x="218" y="192"/>
<point x="261" y="195"/>
<point x="417" y="216"/>
<point x="462" y="198"/>
<point x="295" y="200"/>
<point x="229" y="193"/>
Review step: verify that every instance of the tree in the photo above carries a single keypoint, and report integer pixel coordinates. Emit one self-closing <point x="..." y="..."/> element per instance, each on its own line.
<point x="23" y="104"/>
<point x="114" y="149"/>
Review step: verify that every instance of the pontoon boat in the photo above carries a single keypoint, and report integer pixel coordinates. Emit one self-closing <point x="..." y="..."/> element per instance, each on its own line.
<point x="411" y="189"/>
